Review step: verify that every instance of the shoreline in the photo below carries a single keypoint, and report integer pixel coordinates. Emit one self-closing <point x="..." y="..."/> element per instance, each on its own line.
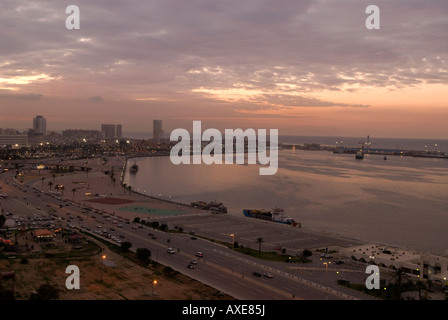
<point x="96" y="181"/>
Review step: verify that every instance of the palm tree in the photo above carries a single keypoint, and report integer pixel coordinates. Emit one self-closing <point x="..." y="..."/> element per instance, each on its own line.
<point x="259" y="241"/>
<point x="50" y="183"/>
<point x="74" y="191"/>
<point x="399" y="276"/>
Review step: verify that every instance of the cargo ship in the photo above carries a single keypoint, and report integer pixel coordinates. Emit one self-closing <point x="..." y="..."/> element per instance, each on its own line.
<point x="275" y="215"/>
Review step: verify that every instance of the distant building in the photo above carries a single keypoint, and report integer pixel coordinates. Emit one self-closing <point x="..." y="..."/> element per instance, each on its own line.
<point x="14" y="141"/>
<point x="111" y="131"/>
<point x="157" y="132"/>
<point x="40" y="125"/>
<point x="81" y="134"/>
<point x="108" y="131"/>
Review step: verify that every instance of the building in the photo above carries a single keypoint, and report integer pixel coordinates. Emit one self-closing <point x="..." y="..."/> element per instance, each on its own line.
<point x="82" y="134"/>
<point x="111" y="131"/>
<point x="40" y="125"/>
<point x="413" y="263"/>
<point x="108" y="131"/>
<point x="157" y="132"/>
<point x="14" y="141"/>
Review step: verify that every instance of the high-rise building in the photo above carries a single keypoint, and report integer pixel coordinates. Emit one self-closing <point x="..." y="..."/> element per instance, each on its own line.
<point x="40" y="125"/>
<point x="111" y="131"/>
<point x="157" y="132"/>
<point x="108" y="131"/>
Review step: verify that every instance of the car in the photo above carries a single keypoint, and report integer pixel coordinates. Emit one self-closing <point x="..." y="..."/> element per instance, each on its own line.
<point x="170" y="250"/>
<point x="194" y="262"/>
<point x="154" y="237"/>
<point x="257" y="274"/>
<point x="191" y="266"/>
<point x="199" y="254"/>
<point x="267" y="275"/>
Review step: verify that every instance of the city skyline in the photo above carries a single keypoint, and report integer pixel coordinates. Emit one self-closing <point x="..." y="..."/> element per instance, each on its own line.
<point x="308" y="68"/>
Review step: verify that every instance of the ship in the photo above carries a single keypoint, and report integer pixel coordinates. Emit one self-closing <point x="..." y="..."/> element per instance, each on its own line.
<point x="133" y="168"/>
<point x="216" y="207"/>
<point x="200" y="204"/>
<point x="359" y="155"/>
<point x="274" y="215"/>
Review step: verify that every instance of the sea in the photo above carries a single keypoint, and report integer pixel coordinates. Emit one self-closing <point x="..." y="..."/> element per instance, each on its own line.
<point x="401" y="201"/>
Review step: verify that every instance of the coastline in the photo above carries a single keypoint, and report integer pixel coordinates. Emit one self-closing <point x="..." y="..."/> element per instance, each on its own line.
<point x="97" y="182"/>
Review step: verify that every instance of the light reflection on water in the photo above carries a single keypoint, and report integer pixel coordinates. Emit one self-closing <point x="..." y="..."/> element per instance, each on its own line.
<point x="400" y="201"/>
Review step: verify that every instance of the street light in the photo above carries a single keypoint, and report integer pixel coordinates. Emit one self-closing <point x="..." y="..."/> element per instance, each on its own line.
<point x="154" y="282"/>
<point x="233" y="240"/>
<point x="326" y="267"/>
<point x="103" y="257"/>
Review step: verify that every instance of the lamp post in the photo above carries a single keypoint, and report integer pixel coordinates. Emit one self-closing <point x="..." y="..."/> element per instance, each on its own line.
<point x="326" y="267"/>
<point x="103" y="257"/>
<point x="154" y="282"/>
<point x="233" y="240"/>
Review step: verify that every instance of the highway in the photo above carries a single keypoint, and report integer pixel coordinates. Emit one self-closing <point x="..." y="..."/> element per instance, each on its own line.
<point x="222" y="268"/>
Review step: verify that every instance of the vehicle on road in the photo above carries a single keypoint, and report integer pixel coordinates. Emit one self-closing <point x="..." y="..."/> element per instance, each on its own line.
<point x="170" y="250"/>
<point x="199" y="254"/>
<point x="257" y="274"/>
<point x="267" y="275"/>
<point x="192" y="264"/>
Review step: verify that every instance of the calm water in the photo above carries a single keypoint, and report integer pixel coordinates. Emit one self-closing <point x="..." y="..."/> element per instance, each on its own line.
<point x="400" y="201"/>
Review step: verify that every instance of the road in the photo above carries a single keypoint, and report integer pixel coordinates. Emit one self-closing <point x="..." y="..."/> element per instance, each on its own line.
<point x="220" y="267"/>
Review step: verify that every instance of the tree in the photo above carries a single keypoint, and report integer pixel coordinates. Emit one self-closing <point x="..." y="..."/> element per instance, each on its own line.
<point x="50" y="184"/>
<point x="125" y="246"/>
<point x="143" y="254"/>
<point x="74" y="191"/>
<point x="45" y="292"/>
<point x="399" y="276"/>
<point x="307" y="253"/>
<point x="2" y="220"/>
<point x="259" y="241"/>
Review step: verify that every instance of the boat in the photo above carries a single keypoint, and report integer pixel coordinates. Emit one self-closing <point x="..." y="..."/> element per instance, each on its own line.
<point x="133" y="168"/>
<point x="200" y="204"/>
<point x="359" y="155"/>
<point x="217" y="207"/>
<point x="274" y="215"/>
<point x="385" y="158"/>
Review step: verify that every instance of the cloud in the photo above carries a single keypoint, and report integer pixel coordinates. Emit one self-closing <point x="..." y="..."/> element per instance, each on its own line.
<point x="96" y="99"/>
<point x="231" y="55"/>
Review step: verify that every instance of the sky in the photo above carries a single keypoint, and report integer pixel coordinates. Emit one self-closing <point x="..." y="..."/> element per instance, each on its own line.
<point x="308" y="67"/>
